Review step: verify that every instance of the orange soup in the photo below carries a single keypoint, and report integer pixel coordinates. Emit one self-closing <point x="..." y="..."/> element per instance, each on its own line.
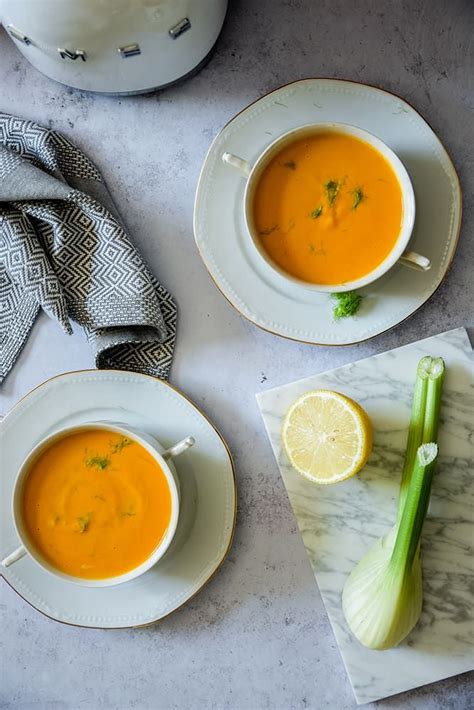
<point x="328" y="208"/>
<point x="96" y="504"/>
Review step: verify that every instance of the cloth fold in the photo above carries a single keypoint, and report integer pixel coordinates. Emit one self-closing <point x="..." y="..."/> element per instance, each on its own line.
<point x="63" y="248"/>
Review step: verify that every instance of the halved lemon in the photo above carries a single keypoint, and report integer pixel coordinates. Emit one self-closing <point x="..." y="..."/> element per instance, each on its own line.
<point x="327" y="436"/>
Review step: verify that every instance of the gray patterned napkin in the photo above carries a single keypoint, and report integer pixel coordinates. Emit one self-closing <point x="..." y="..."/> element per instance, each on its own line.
<point x="63" y="248"/>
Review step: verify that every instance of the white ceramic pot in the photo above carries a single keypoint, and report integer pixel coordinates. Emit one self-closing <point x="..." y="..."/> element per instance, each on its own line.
<point x="114" y="46"/>
<point x="154" y="448"/>
<point x="399" y="252"/>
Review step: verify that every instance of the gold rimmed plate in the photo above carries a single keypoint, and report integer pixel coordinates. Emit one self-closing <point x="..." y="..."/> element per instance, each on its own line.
<point x="208" y="494"/>
<point x="268" y="299"/>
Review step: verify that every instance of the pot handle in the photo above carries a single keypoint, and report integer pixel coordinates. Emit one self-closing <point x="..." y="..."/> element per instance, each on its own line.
<point x="178" y="448"/>
<point x="238" y="163"/>
<point x="13" y="557"/>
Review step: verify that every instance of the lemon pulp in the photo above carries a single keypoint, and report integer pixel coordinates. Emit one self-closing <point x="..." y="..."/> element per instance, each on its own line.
<point x="327" y="436"/>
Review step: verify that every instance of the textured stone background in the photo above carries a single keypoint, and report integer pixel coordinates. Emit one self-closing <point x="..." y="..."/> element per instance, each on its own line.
<point x="257" y="637"/>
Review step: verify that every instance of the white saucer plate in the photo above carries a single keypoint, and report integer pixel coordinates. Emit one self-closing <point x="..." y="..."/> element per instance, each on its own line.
<point x="208" y="495"/>
<point x="267" y="298"/>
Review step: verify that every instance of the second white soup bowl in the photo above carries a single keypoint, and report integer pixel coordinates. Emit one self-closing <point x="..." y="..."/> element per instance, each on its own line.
<point x="153" y="447"/>
<point x="399" y="253"/>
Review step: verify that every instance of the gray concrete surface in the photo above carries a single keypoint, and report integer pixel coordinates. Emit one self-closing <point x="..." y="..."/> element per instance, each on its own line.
<point x="257" y="637"/>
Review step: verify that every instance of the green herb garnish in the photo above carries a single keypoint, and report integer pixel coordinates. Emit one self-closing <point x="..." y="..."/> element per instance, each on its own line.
<point x="84" y="521"/>
<point x="332" y="188"/>
<point x="317" y="251"/>
<point x="290" y="164"/>
<point x="348" y="303"/>
<point x="117" y="448"/>
<point x="100" y="462"/>
<point x="317" y="212"/>
<point x="128" y="513"/>
<point x="268" y="230"/>
<point x="358" y="196"/>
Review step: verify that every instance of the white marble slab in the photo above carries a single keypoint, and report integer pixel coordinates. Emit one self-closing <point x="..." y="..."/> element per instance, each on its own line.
<point x="339" y="523"/>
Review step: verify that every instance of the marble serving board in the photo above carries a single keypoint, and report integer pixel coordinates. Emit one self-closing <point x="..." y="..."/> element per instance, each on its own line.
<point x="339" y="523"/>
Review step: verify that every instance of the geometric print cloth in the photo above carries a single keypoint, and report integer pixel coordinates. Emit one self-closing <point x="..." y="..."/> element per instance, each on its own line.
<point x="63" y="248"/>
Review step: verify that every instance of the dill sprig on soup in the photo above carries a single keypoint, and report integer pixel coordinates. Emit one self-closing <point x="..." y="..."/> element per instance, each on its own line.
<point x="327" y="208"/>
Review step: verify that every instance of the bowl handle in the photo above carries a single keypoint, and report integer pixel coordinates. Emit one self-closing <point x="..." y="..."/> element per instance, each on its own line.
<point x="415" y="261"/>
<point x="13" y="557"/>
<point x="178" y="448"/>
<point x="238" y="163"/>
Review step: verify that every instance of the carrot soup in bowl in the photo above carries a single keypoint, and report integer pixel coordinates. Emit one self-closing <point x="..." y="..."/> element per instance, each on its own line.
<point x="329" y="207"/>
<point x="97" y="504"/>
